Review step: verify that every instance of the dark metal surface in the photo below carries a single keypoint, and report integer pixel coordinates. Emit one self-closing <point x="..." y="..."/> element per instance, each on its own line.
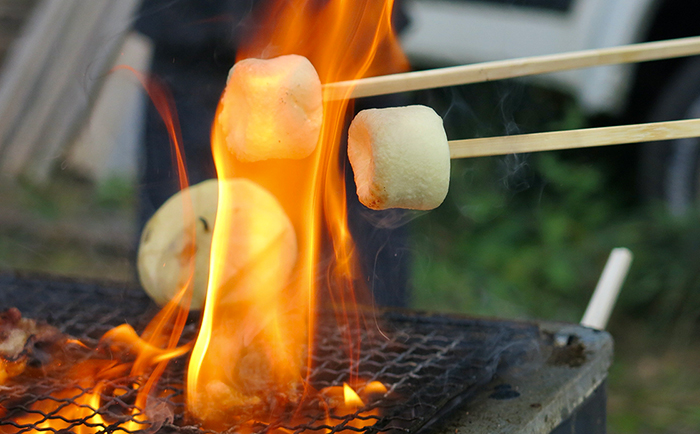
<point x="589" y="417"/>
<point x="565" y="389"/>
<point x="430" y="364"/>
<point x="85" y="310"/>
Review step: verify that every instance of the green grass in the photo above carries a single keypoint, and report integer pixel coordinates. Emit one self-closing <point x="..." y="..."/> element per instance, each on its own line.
<point x="69" y="228"/>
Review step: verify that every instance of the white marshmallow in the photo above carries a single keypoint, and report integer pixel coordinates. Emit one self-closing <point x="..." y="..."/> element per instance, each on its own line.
<point x="400" y="157"/>
<point x="272" y="108"/>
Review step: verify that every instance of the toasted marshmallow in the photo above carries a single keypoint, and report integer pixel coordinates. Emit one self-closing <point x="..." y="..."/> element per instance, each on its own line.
<point x="400" y="157"/>
<point x="272" y="108"/>
<point x="176" y="242"/>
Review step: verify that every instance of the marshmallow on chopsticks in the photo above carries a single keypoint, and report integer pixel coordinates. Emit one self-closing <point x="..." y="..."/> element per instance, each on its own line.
<point x="272" y="108"/>
<point x="400" y="157"/>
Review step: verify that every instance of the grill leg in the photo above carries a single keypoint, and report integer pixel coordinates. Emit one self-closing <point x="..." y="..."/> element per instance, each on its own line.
<point x="589" y="417"/>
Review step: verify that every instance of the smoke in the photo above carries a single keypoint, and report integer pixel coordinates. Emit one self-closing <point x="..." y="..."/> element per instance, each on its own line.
<point x="514" y="172"/>
<point x="470" y="112"/>
<point x="512" y="167"/>
<point x="391" y="218"/>
<point x="472" y="354"/>
<point x="459" y="110"/>
<point x="159" y="412"/>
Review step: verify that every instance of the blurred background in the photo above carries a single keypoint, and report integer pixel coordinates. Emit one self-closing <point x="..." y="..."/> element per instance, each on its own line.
<point x="522" y="236"/>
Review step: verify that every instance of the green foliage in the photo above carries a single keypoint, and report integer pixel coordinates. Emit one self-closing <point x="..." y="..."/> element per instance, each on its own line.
<point x="36" y="199"/>
<point x="652" y="390"/>
<point x="115" y="193"/>
<point x="492" y="250"/>
<point x="528" y="235"/>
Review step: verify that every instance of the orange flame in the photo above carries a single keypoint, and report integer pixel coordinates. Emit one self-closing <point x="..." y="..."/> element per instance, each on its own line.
<point x="352" y="399"/>
<point x="142" y="357"/>
<point x="278" y="225"/>
<point x="77" y="403"/>
<point x="249" y="354"/>
<point x="352" y="402"/>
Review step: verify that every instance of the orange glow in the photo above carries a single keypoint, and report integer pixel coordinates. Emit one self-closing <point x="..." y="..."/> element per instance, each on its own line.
<point x="122" y="352"/>
<point x="9" y="369"/>
<point x="343" y="402"/>
<point x="81" y="406"/>
<point x="250" y="354"/>
<point x="375" y="387"/>
<point x="352" y="399"/>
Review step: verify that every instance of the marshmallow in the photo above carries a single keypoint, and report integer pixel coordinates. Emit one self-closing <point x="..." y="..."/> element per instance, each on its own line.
<point x="400" y="157"/>
<point x="164" y="257"/>
<point x="272" y="108"/>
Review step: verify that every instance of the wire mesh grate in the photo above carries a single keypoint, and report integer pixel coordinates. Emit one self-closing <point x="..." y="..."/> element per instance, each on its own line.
<point x="430" y="364"/>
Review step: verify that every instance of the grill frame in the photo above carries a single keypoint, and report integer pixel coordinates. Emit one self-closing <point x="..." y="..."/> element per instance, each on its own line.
<point x="412" y="338"/>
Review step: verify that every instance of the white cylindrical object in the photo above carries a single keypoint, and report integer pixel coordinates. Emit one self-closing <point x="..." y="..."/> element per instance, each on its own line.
<point x="607" y="289"/>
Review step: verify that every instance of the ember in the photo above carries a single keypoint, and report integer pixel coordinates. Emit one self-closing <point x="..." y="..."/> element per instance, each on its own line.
<point x="25" y="344"/>
<point x="426" y="363"/>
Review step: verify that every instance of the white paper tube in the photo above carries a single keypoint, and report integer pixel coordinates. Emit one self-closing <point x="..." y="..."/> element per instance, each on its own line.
<point x="608" y="288"/>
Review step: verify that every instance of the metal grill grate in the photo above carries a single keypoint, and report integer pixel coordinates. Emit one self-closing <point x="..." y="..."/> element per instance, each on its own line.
<point x="430" y="364"/>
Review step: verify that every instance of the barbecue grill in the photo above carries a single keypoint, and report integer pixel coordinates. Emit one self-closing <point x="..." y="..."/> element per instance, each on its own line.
<point x="444" y="374"/>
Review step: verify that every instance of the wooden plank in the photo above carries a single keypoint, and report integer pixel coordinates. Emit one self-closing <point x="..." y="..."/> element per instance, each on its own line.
<point x="73" y="108"/>
<point x="25" y="62"/>
<point x="63" y="67"/>
<point x="113" y="129"/>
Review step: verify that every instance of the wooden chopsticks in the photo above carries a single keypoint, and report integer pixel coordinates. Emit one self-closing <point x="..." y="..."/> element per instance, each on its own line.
<point x="502" y="69"/>
<point x="582" y="138"/>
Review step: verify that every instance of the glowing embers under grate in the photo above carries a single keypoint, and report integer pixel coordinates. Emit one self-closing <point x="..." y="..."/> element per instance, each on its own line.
<point x="429" y="364"/>
<point x="41" y="408"/>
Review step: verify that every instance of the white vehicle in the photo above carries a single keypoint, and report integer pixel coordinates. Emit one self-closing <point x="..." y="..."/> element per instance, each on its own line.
<point x="450" y="32"/>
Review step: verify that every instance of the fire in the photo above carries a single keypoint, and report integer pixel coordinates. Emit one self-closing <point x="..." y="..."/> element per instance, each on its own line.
<point x="352" y="399"/>
<point x="77" y="403"/>
<point x="281" y="242"/>
<point x="90" y="374"/>
<point x="250" y="354"/>
<point x="339" y="410"/>
<point x="123" y="363"/>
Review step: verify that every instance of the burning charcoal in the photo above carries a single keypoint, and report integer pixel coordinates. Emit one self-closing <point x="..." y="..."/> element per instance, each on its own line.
<point x="25" y="343"/>
<point x="272" y="108"/>
<point x="176" y="242"/>
<point x="21" y="336"/>
<point x="400" y="157"/>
